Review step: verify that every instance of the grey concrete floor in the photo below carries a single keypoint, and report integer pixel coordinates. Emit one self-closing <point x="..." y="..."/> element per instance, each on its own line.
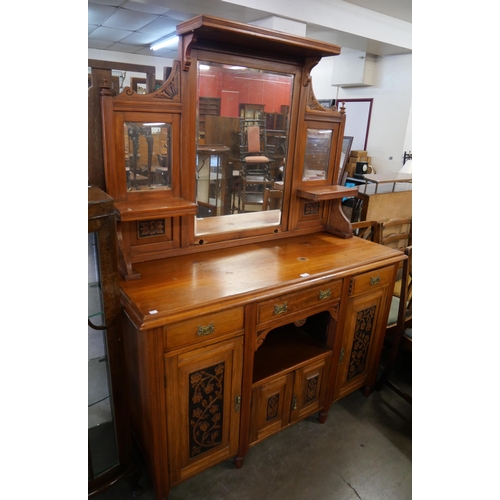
<point x="362" y="452"/>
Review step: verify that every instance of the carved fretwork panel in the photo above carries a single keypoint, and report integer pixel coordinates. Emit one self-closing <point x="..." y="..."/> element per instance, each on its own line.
<point x="272" y="407"/>
<point x="148" y="228"/>
<point x="312" y="389"/>
<point x="361" y="343"/>
<point x="311" y="208"/>
<point x="206" y="400"/>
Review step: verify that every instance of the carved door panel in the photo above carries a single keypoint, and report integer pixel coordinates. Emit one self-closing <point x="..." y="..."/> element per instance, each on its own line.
<point x="363" y="334"/>
<point x="271" y="403"/>
<point x="310" y="389"/>
<point x="203" y="404"/>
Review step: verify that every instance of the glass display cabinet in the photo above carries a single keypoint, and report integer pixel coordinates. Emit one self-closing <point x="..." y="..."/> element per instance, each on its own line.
<point x="108" y="431"/>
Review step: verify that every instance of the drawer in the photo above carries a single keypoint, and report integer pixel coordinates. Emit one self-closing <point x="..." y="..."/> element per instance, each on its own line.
<point x="286" y="305"/>
<point x="209" y="326"/>
<point x="370" y="280"/>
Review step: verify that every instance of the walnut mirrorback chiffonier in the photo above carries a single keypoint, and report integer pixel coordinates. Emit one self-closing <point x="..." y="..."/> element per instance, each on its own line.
<point x="239" y="319"/>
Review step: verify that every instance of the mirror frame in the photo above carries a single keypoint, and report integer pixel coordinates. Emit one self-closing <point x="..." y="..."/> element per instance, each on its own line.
<point x="295" y="71"/>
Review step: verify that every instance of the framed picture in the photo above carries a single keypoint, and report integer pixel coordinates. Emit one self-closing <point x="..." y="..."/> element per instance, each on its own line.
<point x="139" y="85"/>
<point x="359" y="112"/>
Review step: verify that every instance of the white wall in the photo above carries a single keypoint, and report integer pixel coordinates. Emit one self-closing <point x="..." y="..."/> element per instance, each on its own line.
<point x="390" y="126"/>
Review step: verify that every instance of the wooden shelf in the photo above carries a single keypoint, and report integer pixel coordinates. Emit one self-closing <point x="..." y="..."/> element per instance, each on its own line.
<point x="322" y="193"/>
<point x="143" y="210"/>
<point x="284" y="350"/>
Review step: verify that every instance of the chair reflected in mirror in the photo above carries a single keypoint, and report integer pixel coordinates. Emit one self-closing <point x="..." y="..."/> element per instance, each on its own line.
<point x="272" y="199"/>
<point x="255" y="173"/>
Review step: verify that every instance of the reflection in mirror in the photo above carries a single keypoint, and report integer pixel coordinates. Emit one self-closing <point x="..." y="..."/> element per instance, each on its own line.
<point x="242" y="137"/>
<point x="317" y="155"/>
<point x="148" y="155"/>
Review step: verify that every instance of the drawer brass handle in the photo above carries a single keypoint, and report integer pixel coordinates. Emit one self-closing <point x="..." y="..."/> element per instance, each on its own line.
<point x="325" y="295"/>
<point x="283" y="308"/>
<point x="374" y="281"/>
<point x="237" y="404"/>
<point x="294" y="402"/>
<point x="342" y="355"/>
<point x="205" y="330"/>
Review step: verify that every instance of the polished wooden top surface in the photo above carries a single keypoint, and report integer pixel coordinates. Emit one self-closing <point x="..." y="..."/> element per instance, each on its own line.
<point x="177" y="288"/>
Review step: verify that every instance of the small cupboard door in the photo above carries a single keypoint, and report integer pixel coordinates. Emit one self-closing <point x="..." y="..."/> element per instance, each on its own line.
<point x="310" y="389"/>
<point x="203" y="404"/>
<point x="271" y="404"/>
<point x="287" y="398"/>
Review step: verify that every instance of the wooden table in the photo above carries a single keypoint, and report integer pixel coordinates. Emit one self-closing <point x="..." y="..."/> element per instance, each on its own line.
<point x="391" y="177"/>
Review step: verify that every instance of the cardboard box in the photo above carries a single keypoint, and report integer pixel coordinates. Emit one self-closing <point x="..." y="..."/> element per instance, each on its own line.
<point x="350" y="169"/>
<point x="357" y="153"/>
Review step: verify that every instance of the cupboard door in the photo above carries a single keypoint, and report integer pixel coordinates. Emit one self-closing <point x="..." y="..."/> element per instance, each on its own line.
<point x="271" y="404"/>
<point x="310" y="389"/>
<point x="362" y="339"/>
<point x="203" y="404"/>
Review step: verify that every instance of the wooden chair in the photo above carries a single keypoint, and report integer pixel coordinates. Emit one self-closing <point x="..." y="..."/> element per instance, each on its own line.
<point x="255" y="174"/>
<point x="272" y="199"/>
<point x="395" y="233"/>
<point x="401" y="307"/>
<point x="366" y="229"/>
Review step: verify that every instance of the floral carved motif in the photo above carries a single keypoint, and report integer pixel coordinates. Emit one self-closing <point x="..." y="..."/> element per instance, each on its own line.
<point x="272" y="407"/>
<point x="361" y="342"/>
<point x="206" y="395"/>
<point x="311" y="208"/>
<point x="148" y="228"/>
<point x="312" y="389"/>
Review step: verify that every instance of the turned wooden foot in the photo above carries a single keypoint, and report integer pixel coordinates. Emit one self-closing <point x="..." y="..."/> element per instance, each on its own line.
<point x="322" y="417"/>
<point x="238" y="462"/>
<point x="367" y="390"/>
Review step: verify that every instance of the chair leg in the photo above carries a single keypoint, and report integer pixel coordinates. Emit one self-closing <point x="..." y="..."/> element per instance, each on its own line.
<point x="385" y="378"/>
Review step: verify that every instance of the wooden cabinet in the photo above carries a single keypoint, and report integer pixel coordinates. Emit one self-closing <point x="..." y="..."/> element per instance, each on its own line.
<point x="203" y="398"/>
<point x="221" y="356"/>
<point x="290" y="378"/>
<point x="252" y="111"/>
<point x="238" y="330"/>
<point x="365" y="323"/>
<point x="208" y="106"/>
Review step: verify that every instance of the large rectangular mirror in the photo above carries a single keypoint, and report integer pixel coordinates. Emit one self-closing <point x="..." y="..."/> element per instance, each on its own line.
<point x="242" y="139"/>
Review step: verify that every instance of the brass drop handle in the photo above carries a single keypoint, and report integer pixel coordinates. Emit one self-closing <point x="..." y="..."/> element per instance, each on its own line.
<point x="325" y="295"/>
<point x="374" y="281"/>
<point x="280" y="309"/>
<point x="205" y="330"/>
<point x="294" y="402"/>
<point x="342" y="355"/>
<point x="237" y="404"/>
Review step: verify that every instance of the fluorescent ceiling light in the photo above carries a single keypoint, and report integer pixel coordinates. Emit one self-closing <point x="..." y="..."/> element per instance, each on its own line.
<point x="165" y="42"/>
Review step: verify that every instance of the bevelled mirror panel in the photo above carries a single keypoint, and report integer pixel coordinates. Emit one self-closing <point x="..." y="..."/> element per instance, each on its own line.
<point x="317" y="155"/>
<point x="148" y="156"/>
<point x="242" y="138"/>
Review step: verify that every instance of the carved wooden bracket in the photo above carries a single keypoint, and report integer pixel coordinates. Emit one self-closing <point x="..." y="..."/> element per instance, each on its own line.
<point x="187" y="42"/>
<point x="124" y="264"/>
